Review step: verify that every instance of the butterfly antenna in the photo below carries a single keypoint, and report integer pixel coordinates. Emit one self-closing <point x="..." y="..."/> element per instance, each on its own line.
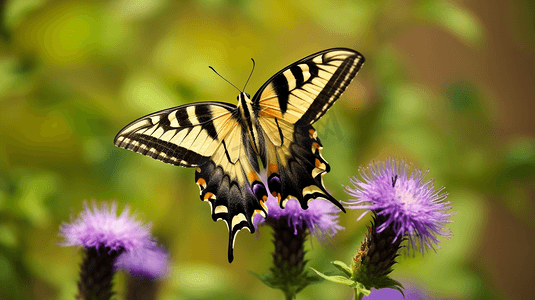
<point x="249" y="75"/>
<point x="224" y="79"/>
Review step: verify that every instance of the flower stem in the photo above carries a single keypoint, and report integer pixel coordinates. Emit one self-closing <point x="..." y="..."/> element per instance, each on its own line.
<point x="358" y="295"/>
<point x="288" y="258"/>
<point x="96" y="274"/>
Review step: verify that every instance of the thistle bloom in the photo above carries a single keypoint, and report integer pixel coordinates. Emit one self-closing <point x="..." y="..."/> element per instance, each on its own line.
<point x="101" y="227"/>
<point x="320" y="218"/>
<point x="410" y="205"/>
<point x="111" y="242"/>
<point x="291" y="226"/>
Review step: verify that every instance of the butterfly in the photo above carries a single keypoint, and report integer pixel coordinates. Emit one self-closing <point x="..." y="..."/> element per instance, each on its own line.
<point x="223" y="141"/>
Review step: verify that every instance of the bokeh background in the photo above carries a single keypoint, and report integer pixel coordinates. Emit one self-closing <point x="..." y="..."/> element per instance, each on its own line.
<point x="447" y="85"/>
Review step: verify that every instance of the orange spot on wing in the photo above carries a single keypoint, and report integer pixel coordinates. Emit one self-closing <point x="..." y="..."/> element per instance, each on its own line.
<point x="208" y="196"/>
<point x="315" y="146"/>
<point x="252" y="176"/>
<point x="201" y="182"/>
<point x="312" y="132"/>
<point x="273" y="168"/>
<point x="318" y="163"/>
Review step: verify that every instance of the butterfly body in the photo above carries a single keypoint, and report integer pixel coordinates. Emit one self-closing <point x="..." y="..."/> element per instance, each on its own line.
<point x="223" y="141"/>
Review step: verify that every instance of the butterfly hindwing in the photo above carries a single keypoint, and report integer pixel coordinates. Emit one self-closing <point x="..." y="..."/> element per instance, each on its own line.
<point x="296" y="167"/>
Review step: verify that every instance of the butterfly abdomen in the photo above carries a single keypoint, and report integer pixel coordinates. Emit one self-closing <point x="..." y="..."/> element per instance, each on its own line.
<point x="250" y="121"/>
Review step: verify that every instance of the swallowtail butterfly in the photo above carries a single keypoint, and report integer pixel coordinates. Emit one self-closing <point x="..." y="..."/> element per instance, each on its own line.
<point x="223" y="141"/>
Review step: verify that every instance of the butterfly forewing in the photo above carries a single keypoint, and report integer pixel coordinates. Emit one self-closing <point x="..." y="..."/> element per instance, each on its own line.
<point x="302" y="92"/>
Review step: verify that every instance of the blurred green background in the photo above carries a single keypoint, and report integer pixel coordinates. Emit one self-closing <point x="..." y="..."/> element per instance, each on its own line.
<point x="447" y="86"/>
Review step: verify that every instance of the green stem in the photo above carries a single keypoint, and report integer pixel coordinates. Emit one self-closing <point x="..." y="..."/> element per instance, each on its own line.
<point x="358" y="294"/>
<point x="288" y="295"/>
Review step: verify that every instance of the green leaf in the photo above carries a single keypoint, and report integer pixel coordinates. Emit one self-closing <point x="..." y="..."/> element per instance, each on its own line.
<point x="342" y="267"/>
<point x="266" y="279"/>
<point x="336" y="278"/>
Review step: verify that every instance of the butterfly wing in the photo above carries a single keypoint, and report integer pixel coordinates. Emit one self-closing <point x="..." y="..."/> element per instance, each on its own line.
<point x="209" y="137"/>
<point x="179" y="135"/>
<point x="287" y="106"/>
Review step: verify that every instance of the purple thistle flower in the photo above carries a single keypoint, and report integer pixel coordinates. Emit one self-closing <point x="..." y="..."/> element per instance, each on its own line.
<point x="411" y="206"/>
<point x="320" y="218"/>
<point x="102" y="227"/>
<point x="111" y="242"/>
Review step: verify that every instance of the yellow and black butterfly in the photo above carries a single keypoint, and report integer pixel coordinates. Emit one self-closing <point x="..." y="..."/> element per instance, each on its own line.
<point x="223" y="141"/>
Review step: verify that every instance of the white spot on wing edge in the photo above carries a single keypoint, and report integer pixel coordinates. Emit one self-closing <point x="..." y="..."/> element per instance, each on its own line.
<point x="318" y="59"/>
<point x="220" y="209"/>
<point x="310" y="190"/>
<point x="237" y="219"/>
<point x="155" y="119"/>
<point x="317" y="171"/>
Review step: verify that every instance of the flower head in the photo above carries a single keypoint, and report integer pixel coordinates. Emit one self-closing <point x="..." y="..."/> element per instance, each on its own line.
<point x="111" y="242"/>
<point x="320" y="218"/>
<point x="412" y="207"/>
<point x="101" y="227"/>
